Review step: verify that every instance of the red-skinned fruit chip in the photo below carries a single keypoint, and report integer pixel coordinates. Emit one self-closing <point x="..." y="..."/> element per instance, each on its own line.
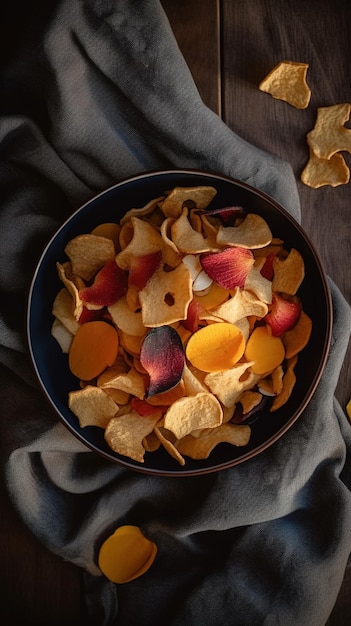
<point x="228" y="268"/>
<point x="110" y="284"/>
<point x="227" y="214"/>
<point x="192" y="319"/>
<point x="267" y="270"/>
<point x="283" y="315"/>
<point x="143" y="267"/>
<point x="91" y="315"/>
<point x="162" y="356"/>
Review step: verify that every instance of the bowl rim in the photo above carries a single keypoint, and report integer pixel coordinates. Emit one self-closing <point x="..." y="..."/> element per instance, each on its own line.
<point x="178" y="472"/>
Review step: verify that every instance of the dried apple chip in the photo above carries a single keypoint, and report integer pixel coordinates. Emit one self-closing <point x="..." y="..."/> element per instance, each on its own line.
<point x="88" y="253"/>
<point x="329" y="134"/>
<point x="188" y="240"/>
<point x="130" y="322"/>
<point x="289" y="381"/>
<point x="298" y="337"/>
<point x="193" y="412"/>
<point x="169" y="441"/>
<point x="318" y="172"/>
<point x="166" y="297"/>
<point x="125" y="433"/>
<point x="242" y="304"/>
<point x="62" y="335"/>
<point x="200" y="196"/>
<point x="201" y="447"/>
<point x="253" y="232"/>
<point x="229" y="268"/>
<point x="145" y="240"/>
<point x="131" y="382"/>
<point x="92" y="406"/>
<point x="62" y="310"/>
<point x="227" y="385"/>
<point x="287" y="81"/>
<point x="288" y="273"/>
<point x="65" y="274"/>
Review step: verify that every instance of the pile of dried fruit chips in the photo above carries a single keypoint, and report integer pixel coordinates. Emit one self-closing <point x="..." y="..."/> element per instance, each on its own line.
<point x="180" y="323"/>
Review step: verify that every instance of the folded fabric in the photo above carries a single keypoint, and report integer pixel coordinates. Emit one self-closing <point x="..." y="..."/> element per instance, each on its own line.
<point x="263" y="543"/>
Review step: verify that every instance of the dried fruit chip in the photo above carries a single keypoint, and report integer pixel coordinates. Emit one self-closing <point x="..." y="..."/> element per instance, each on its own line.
<point x="287" y="81"/>
<point x="228" y="384"/>
<point x="252" y="233"/>
<point x="201" y="197"/>
<point x="348" y="409"/>
<point x="109" y="230"/>
<point x="128" y="321"/>
<point x="298" y="337"/>
<point x="62" y="310"/>
<point x="264" y="350"/>
<point x="125" y="433"/>
<point x="228" y="268"/>
<point x="289" y="380"/>
<point x="190" y="413"/>
<point x="288" y="273"/>
<point x="110" y="284"/>
<point x="283" y="315"/>
<point x="131" y="382"/>
<point x="126" y="554"/>
<point x="166" y="297"/>
<point x="319" y="172"/>
<point x="169" y="441"/>
<point x="88" y="253"/>
<point x="242" y="304"/>
<point x="215" y="347"/>
<point x="92" y="406"/>
<point x="162" y="356"/>
<point x="62" y="335"/>
<point x="329" y="134"/>
<point x="188" y="240"/>
<point x="201" y="447"/>
<point x="145" y="239"/>
<point x="94" y="347"/>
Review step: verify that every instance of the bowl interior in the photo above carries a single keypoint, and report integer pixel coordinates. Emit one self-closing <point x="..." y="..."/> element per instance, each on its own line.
<point x="51" y="364"/>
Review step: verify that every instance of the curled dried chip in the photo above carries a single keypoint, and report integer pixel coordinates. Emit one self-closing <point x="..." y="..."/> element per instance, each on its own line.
<point x="126" y="554"/>
<point x="200" y="196"/>
<point x="145" y="239"/>
<point x="130" y="322"/>
<point x="287" y="81"/>
<point x="92" y="406"/>
<point x="253" y="232"/>
<point x="131" y="382"/>
<point x="62" y="310"/>
<point x="201" y="447"/>
<point x="288" y="273"/>
<point x="166" y="297"/>
<point x="88" y="253"/>
<point x="242" y="304"/>
<point x="65" y="273"/>
<point x="227" y="385"/>
<point x="169" y="441"/>
<point x="62" y="335"/>
<point x="125" y="433"/>
<point x="188" y="240"/>
<point x="193" y="412"/>
<point x="318" y="172"/>
<point x="329" y="134"/>
<point x="289" y="380"/>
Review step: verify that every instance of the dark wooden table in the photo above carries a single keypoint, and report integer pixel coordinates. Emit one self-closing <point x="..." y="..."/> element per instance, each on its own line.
<point x="229" y="47"/>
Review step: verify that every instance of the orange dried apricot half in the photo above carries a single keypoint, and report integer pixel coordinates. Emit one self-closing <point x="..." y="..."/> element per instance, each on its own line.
<point x="126" y="554"/>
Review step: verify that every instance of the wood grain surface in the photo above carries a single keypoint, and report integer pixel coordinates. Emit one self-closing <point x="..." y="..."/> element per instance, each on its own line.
<point x="229" y="47"/>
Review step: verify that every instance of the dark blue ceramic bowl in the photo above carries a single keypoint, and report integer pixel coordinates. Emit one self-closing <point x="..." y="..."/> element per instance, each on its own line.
<point x="51" y="365"/>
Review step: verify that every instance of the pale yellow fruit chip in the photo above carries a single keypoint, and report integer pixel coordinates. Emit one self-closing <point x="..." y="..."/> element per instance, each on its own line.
<point x="169" y="441"/>
<point x="201" y="447"/>
<point x="64" y="272"/>
<point x="288" y="273"/>
<point x="329" y="134"/>
<point x="146" y="211"/>
<point x="130" y="322"/>
<point x="287" y="81"/>
<point x="297" y="338"/>
<point x="289" y="381"/>
<point x="120" y="397"/>
<point x="192" y="412"/>
<point x="188" y="240"/>
<point x="166" y="296"/>
<point x="131" y="382"/>
<point x="151" y="442"/>
<point x="92" y="406"/>
<point x="201" y="196"/>
<point x="253" y="232"/>
<point x="227" y="385"/>
<point x="62" y="309"/>
<point x="62" y="335"/>
<point x="272" y="385"/>
<point x="192" y="384"/>
<point x="170" y="253"/>
<point x="258" y="284"/>
<point x="319" y="172"/>
<point x="145" y="240"/>
<point x="242" y="304"/>
<point x="249" y="400"/>
<point x="125" y="434"/>
<point x="88" y="253"/>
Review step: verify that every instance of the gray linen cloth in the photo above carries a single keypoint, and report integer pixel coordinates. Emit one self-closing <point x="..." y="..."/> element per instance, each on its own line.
<point x="266" y="542"/>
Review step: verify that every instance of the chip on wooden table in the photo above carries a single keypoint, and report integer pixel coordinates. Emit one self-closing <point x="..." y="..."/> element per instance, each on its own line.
<point x="287" y="81"/>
